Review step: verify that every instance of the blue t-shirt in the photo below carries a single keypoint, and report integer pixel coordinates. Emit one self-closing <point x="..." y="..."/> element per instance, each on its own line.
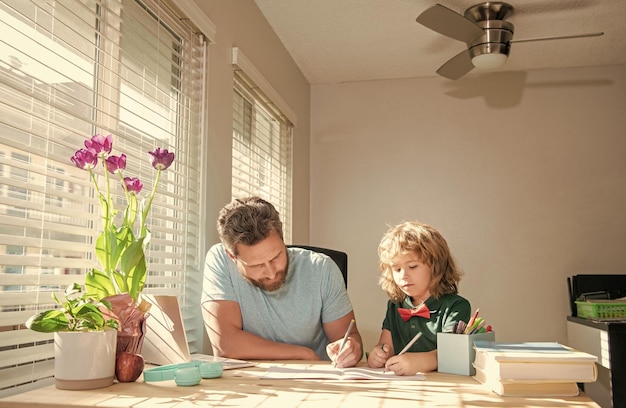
<point x="314" y="293"/>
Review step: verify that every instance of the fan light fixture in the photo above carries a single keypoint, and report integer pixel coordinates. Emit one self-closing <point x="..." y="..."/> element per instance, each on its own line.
<point x="489" y="61"/>
<point x="483" y="27"/>
<point x="491" y="50"/>
<point x="489" y="55"/>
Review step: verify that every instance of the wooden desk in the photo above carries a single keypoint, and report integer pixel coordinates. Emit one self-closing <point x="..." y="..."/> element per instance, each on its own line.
<point x="244" y="388"/>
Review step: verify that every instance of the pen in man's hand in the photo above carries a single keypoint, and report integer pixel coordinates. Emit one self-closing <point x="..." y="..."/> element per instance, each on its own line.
<point x="345" y="338"/>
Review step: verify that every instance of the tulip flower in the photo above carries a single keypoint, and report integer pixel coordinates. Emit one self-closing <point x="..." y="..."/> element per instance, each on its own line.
<point x="161" y="159"/>
<point x="119" y="248"/>
<point x="133" y="184"/>
<point x="85" y="159"/>
<point x="116" y="163"/>
<point x="100" y="144"/>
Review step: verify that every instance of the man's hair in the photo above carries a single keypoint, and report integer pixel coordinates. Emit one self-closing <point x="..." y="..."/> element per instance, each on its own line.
<point x="430" y="247"/>
<point x="247" y="221"/>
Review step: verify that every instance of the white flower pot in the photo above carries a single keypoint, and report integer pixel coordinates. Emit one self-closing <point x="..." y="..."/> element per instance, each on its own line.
<point x="84" y="360"/>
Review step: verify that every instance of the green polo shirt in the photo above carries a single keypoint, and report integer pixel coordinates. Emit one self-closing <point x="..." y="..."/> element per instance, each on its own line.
<point x="445" y="312"/>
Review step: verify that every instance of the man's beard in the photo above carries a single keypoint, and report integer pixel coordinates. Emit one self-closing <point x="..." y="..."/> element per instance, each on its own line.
<point x="270" y="285"/>
<point x="275" y="285"/>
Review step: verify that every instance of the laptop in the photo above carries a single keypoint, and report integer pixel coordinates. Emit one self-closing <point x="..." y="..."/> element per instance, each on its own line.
<point x="166" y="341"/>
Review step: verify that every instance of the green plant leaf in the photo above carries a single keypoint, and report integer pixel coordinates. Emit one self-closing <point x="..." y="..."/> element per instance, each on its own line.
<point x="146" y="237"/>
<point x="133" y="263"/>
<point x="98" y="284"/>
<point x="112" y="324"/>
<point x="132" y="256"/>
<point x="108" y="256"/>
<point x="89" y="316"/>
<point x="48" y="321"/>
<point x="121" y="281"/>
<point x="79" y="312"/>
<point x="72" y="290"/>
<point x="106" y="303"/>
<point x="137" y="278"/>
<point x="131" y="210"/>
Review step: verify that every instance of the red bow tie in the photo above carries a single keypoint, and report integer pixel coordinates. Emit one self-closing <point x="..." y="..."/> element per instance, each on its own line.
<point x="421" y="311"/>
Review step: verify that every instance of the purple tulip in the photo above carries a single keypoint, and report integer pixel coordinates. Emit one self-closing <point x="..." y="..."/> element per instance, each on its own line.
<point x="100" y="144"/>
<point x="161" y="159"/>
<point x="85" y="159"/>
<point x="116" y="163"/>
<point x="133" y="184"/>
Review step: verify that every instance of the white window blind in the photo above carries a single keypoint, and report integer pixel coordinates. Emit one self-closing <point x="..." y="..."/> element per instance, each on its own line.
<point x="261" y="156"/>
<point x="70" y="69"/>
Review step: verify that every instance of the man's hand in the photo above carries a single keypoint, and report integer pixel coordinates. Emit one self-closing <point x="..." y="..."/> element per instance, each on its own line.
<point x="352" y="350"/>
<point x="349" y="356"/>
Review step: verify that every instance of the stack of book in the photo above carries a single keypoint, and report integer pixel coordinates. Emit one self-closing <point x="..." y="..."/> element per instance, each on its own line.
<point x="534" y="369"/>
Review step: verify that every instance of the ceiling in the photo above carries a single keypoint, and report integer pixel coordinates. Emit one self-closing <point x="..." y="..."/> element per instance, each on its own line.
<point x="334" y="41"/>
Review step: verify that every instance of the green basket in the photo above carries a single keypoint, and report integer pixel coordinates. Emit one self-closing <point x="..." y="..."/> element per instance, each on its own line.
<point x="600" y="311"/>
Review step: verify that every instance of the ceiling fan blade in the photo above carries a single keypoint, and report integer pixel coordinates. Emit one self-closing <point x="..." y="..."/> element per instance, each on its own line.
<point x="457" y="66"/>
<point x="564" y="37"/>
<point x="449" y="23"/>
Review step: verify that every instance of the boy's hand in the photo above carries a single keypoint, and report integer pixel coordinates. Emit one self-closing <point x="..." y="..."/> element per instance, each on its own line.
<point x="404" y="364"/>
<point x="411" y="363"/>
<point x="378" y="356"/>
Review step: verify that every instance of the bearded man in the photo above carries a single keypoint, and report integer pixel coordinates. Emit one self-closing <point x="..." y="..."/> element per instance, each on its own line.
<point x="264" y="301"/>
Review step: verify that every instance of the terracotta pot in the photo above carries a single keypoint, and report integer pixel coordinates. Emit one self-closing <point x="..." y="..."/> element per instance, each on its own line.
<point x="84" y="360"/>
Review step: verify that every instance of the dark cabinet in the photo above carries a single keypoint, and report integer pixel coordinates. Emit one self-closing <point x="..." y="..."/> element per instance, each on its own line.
<point x="607" y="341"/>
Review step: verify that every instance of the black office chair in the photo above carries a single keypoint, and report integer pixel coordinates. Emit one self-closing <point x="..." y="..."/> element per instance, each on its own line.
<point x="340" y="258"/>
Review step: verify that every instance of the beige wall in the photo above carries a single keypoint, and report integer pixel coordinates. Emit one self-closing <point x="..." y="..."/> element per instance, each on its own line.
<point x="524" y="174"/>
<point x="239" y="23"/>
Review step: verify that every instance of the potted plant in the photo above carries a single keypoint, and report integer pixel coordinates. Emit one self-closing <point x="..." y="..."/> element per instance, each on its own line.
<point x="81" y="331"/>
<point x="120" y="247"/>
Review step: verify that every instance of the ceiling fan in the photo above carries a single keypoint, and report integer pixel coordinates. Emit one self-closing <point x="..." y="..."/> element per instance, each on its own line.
<point x="483" y="27"/>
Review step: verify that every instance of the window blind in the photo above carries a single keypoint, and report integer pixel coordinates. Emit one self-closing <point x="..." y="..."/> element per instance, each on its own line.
<point x="261" y="153"/>
<point x="70" y="69"/>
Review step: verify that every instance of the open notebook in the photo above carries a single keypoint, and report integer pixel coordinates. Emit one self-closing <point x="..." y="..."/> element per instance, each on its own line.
<point x="166" y="341"/>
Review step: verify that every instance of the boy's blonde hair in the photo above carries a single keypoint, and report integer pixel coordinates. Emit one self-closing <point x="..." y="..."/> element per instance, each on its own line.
<point x="430" y="247"/>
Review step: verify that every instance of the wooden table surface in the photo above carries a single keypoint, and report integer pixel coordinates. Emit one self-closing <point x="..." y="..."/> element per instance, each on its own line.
<point x="245" y="388"/>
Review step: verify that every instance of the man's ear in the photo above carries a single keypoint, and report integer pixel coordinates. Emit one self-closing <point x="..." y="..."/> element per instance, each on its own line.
<point x="230" y="255"/>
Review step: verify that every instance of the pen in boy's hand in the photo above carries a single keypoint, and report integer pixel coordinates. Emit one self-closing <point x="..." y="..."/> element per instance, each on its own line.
<point x="408" y="346"/>
<point x="382" y="346"/>
<point x="410" y="343"/>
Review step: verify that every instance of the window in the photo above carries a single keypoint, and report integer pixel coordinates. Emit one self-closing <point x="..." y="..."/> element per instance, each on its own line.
<point x="261" y="155"/>
<point x="70" y="69"/>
